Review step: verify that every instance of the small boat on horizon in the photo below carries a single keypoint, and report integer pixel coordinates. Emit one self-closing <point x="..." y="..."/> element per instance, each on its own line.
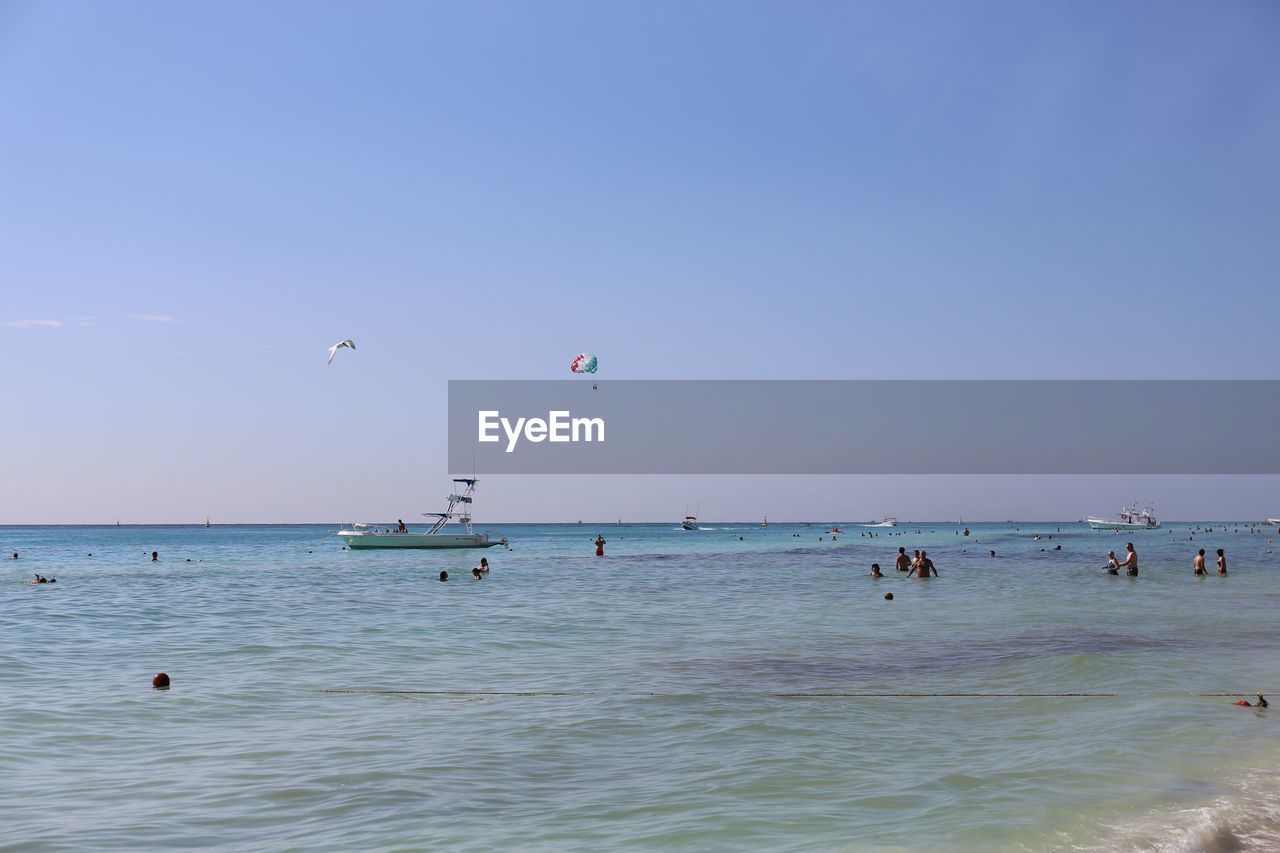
<point x="884" y="522"/>
<point x="690" y="523"/>
<point x="1275" y="522"/>
<point x="371" y="536"/>
<point x="1130" y="518"/>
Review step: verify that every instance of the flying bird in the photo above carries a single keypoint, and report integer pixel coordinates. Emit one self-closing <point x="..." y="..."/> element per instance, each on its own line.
<point x="333" y="350"/>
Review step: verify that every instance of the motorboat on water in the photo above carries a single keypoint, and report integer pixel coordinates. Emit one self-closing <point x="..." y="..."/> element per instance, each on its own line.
<point x="398" y="536"/>
<point x="1274" y="522"/>
<point x="884" y="522"/>
<point x="689" y="523"/>
<point x="1130" y="518"/>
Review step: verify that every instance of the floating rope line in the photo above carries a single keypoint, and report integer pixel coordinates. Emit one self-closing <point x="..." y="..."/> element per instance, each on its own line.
<point x="467" y="692"/>
<point x="772" y="695"/>
<point x="949" y="695"/>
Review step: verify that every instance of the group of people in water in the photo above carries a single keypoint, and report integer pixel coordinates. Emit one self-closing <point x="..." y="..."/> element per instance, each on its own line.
<point x="477" y="573"/>
<point x="920" y="565"/>
<point x="917" y="565"/>
<point x="1130" y="562"/>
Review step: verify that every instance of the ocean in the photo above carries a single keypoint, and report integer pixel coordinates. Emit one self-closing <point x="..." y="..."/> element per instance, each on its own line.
<point x="732" y="687"/>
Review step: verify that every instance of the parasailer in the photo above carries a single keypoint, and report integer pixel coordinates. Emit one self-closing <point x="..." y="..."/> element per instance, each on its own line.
<point x="583" y="362"/>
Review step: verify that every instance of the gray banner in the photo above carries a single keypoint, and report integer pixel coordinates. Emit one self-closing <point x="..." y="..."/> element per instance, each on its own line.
<point x="585" y="426"/>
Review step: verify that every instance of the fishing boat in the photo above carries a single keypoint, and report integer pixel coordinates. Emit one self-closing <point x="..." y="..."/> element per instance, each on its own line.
<point x="372" y="536"/>
<point x="689" y="523"/>
<point x="1130" y="518"/>
<point x="884" y="522"/>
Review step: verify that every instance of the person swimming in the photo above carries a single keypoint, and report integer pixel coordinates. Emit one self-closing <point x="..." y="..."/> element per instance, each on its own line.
<point x="1261" y="703"/>
<point x="476" y="573"/>
<point x="484" y="565"/>
<point x="875" y="571"/>
<point x="444" y="576"/>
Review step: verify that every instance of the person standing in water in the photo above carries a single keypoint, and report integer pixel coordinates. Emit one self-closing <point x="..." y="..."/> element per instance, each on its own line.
<point x="1222" y="562"/>
<point x="1198" y="563"/>
<point x="923" y="567"/>
<point x="903" y="562"/>
<point x="599" y="545"/>
<point x="1130" y="564"/>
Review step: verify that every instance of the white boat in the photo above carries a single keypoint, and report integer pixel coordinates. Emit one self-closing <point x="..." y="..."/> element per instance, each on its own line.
<point x="1274" y="522"/>
<point x="1129" y="519"/>
<point x="885" y="522"/>
<point x="689" y="523"/>
<point x="372" y="536"/>
<point x="765" y="523"/>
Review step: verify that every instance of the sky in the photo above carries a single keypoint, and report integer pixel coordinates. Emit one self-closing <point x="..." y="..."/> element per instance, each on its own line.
<point x="197" y="200"/>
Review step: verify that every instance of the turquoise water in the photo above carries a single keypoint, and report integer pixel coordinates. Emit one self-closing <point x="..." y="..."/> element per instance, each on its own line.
<point x="660" y="711"/>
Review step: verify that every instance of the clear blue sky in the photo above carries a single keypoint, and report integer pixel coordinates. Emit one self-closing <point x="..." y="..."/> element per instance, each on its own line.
<point x="197" y="200"/>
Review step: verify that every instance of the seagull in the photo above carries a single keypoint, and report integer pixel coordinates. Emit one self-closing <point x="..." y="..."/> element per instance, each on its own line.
<point x="333" y="350"/>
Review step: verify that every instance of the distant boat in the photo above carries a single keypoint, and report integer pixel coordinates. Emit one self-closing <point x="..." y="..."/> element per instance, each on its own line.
<point x="689" y="523"/>
<point x="886" y="522"/>
<point x="765" y="523"/>
<point x="1130" y="518"/>
<point x="369" y="536"/>
<point x="206" y="522"/>
<point x="1273" y="521"/>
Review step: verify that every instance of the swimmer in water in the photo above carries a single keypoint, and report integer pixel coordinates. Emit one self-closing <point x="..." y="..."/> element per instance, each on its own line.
<point x="924" y="567"/>
<point x="1261" y="703"/>
<point x="484" y="565"/>
<point x="475" y="573"/>
<point x="1222" y="563"/>
<point x="40" y="579"/>
<point x="1197" y="565"/>
<point x="875" y="571"/>
<point x="444" y="576"/>
<point x="1130" y="564"/>
<point x="1113" y="563"/>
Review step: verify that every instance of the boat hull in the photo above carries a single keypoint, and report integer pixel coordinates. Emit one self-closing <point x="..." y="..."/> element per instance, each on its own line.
<point x="1106" y="524"/>
<point x="360" y="540"/>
